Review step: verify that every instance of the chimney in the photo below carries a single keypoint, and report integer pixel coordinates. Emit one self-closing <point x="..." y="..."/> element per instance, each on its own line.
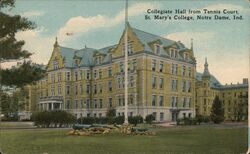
<point x="245" y="80"/>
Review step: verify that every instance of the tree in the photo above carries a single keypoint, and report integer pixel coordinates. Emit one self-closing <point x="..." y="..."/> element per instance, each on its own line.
<point x="24" y="74"/>
<point x="217" y="111"/>
<point x="11" y="50"/>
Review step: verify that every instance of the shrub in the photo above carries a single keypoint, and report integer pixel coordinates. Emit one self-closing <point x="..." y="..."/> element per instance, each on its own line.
<point x="206" y="119"/>
<point x="199" y="119"/>
<point x="135" y="120"/>
<point x="119" y="120"/>
<point x="111" y="113"/>
<point x="53" y="118"/>
<point x="149" y="119"/>
<point x="86" y="120"/>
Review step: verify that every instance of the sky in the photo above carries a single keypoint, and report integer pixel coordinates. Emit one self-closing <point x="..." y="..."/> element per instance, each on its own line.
<point x="99" y="23"/>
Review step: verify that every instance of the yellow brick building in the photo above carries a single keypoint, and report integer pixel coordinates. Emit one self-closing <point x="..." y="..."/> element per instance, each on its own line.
<point x="233" y="96"/>
<point x="88" y="82"/>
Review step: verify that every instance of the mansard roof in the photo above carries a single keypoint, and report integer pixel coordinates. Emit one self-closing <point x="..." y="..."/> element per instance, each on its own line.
<point x="87" y="54"/>
<point x="232" y="86"/>
<point x="214" y="83"/>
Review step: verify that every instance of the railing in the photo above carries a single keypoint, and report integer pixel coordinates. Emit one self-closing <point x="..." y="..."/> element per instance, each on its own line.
<point x="51" y="98"/>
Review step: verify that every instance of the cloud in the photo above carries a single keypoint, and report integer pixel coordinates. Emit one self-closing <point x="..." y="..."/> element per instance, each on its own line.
<point x="30" y="14"/>
<point x="185" y="37"/>
<point x="40" y="46"/>
<point x="79" y="25"/>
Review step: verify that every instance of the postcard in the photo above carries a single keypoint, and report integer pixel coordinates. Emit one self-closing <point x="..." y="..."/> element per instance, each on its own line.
<point x="124" y="76"/>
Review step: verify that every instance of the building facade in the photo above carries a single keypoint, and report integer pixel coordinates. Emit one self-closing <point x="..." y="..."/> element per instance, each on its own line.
<point x="88" y="82"/>
<point x="233" y="96"/>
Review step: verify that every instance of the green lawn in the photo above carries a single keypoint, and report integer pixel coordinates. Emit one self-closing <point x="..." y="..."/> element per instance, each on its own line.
<point x="168" y="140"/>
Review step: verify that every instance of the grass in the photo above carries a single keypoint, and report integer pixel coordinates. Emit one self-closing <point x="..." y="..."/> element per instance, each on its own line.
<point x="200" y="140"/>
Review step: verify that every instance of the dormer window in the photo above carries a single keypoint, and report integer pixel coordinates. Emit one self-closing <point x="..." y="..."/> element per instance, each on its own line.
<point x="130" y="48"/>
<point x="98" y="60"/>
<point x="55" y="65"/>
<point x="185" y="56"/>
<point x="76" y="62"/>
<point x="174" y="53"/>
<point x="157" y="49"/>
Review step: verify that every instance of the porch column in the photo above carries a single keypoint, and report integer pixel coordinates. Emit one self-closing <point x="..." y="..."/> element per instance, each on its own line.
<point x="52" y="105"/>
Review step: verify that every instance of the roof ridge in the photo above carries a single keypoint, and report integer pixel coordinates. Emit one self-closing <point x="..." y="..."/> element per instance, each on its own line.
<point x="154" y="34"/>
<point x="67" y="48"/>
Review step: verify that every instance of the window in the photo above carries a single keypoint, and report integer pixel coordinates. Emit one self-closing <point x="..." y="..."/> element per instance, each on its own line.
<point x="161" y="101"/>
<point x="157" y="49"/>
<point x="154" y="114"/>
<point x="59" y="77"/>
<point x="53" y="80"/>
<point x="110" y="72"/>
<point x="119" y="100"/>
<point x="67" y="89"/>
<point x="55" y="65"/>
<point x="121" y="67"/>
<point x="95" y="89"/>
<point x="81" y="74"/>
<point x="161" y="83"/>
<point x="174" y="85"/>
<point x="52" y="90"/>
<point x="131" y="114"/>
<point x="134" y="64"/>
<point x="161" y="66"/>
<point x="88" y="75"/>
<point x="189" y="71"/>
<point x="173" y="53"/>
<point x="153" y="82"/>
<point x="95" y="74"/>
<point x="100" y="74"/>
<point x="110" y="86"/>
<point x="184" y="102"/>
<point x="131" y="99"/>
<point x="68" y="76"/>
<point x="174" y="69"/>
<point x="183" y="85"/>
<point x="76" y="75"/>
<point x="81" y="103"/>
<point x="100" y="88"/>
<point x="174" y="101"/>
<point x="153" y="64"/>
<point x="110" y="102"/>
<point x="76" y="104"/>
<point x="81" y="89"/>
<point x="130" y="48"/>
<point x="88" y="103"/>
<point x="189" y="86"/>
<point x="76" y="89"/>
<point x="100" y="103"/>
<point x="131" y="81"/>
<point x="153" y="100"/>
<point x="68" y="104"/>
<point x="189" y="102"/>
<point x="59" y="90"/>
<point x="183" y="70"/>
<point x="95" y="103"/>
<point x="76" y="62"/>
<point x="119" y="82"/>
<point x="161" y="116"/>
<point x="88" y="89"/>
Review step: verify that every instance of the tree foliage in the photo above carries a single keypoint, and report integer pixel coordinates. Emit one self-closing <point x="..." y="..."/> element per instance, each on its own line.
<point x="23" y="74"/>
<point x="217" y="111"/>
<point x="11" y="49"/>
